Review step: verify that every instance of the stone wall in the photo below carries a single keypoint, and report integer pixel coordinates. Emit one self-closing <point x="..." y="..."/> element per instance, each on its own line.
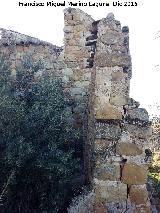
<point x="122" y="130"/>
<point x="95" y="68"/>
<point x="16" y="46"/>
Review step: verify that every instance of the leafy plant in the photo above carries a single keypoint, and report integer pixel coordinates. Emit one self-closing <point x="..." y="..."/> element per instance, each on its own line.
<point x="37" y="156"/>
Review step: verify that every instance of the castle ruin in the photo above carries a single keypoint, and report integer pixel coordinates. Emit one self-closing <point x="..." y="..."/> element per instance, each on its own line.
<point x="95" y="68"/>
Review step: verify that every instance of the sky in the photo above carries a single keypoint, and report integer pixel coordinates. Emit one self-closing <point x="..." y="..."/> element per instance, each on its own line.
<point x="46" y="23"/>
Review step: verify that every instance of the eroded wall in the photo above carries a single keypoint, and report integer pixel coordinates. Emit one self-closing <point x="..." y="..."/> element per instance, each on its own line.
<point x="95" y="68"/>
<point x="122" y="130"/>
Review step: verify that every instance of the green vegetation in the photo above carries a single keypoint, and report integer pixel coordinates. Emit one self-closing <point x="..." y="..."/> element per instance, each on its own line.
<point x="154" y="169"/>
<point x="37" y="156"/>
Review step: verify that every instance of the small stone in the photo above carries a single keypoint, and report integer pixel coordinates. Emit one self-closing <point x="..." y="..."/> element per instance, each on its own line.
<point x="110" y="16"/>
<point x="125" y="29"/>
<point x="101" y="144"/>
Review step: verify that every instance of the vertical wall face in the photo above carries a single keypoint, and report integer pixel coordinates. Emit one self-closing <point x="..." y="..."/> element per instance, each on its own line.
<point x="77" y="74"/>
<point x="121" y="128"/>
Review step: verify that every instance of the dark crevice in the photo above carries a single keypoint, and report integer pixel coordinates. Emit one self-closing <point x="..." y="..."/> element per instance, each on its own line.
<point x="92" y="42"/>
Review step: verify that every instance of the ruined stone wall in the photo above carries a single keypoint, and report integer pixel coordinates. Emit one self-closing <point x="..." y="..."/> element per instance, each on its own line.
<point x="121" y="153"/>
<point x="77" y="74"/>
<point x="17" y="46"/>
<point x="95" y="68"/>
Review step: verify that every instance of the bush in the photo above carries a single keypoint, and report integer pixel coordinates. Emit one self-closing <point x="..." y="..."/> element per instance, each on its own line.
<point x="38" y="161"/>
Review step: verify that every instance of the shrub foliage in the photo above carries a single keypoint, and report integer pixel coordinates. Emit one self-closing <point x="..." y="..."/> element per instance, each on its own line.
<point x="37" y="157"/>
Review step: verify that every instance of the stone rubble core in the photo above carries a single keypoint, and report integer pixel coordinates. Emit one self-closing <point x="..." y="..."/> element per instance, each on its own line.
<point x="95" y="68"/>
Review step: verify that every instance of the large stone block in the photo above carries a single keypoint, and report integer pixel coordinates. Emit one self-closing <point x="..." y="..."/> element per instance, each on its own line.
<point x="133" y="174"/>
<point x="110" y="191"/>
<point x="138" y="194"/>
<point x="128" y="149"/>
<point x="107" y="111"/>
<point x="111" y="37"/>
<point x="118" y="99"/>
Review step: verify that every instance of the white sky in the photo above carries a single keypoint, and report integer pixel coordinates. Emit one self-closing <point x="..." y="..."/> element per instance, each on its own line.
<point x="46" y="23"/>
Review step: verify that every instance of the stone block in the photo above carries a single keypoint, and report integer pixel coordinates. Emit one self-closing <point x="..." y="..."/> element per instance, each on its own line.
<point x="138" y="194"/>
<point x="111" y="37"/>
<point x="115" y="59"/>
<point x="110" y="191"/>
<point x="142" y="132"/>
<point x="118" y="99"/>
<point x="128" y="149"/>
<point x="107" y="130"/>
<point x="138" y="113"/>
<point x="107" y="111"/>
<point x="117" y="74"/>
<point x="107" y="171"/>
<point x="133" y="174"/>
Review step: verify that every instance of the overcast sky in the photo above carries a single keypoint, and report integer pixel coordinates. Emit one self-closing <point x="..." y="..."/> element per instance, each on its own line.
<point x="46" y="23"/>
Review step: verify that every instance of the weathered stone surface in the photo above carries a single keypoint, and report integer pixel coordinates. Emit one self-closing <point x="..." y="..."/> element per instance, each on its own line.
<point x="107" y="171"/>
<point x="117" y="74"/>
<point x="139" y="113"/>
<point x="128" y="149"/>
<point x="111" y="37"/>
<point x="95" y="62"/>
<point x="99" y="208"/>
<point x="138" y="194"/>
<point x="110" y="191"/>
<point x="138" y="131"/>
<point x="107" y="111"/>
<point x="107" y="131"/>
<point x="134" y="174"/>
<point x="118" y="100"/>
<point x="116" y="59"/>
<point x="142" y="210"/>
<point x="101" y="145"/>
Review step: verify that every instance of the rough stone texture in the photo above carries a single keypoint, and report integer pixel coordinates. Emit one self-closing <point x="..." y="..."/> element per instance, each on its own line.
<point x="110" y="191"/>
<point x="134" y="174"/>
<point x="140" y="132"/>
<point x="138" y="194"/>
<point x="142" y="210"/>
<point x="95" y="68"/>
<point x="107" y="130"/>
<point x="139" y="114"/>
<point x="121" y="128"/>
<point x="128" y="149"/>
<point x="107" y="171"/>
